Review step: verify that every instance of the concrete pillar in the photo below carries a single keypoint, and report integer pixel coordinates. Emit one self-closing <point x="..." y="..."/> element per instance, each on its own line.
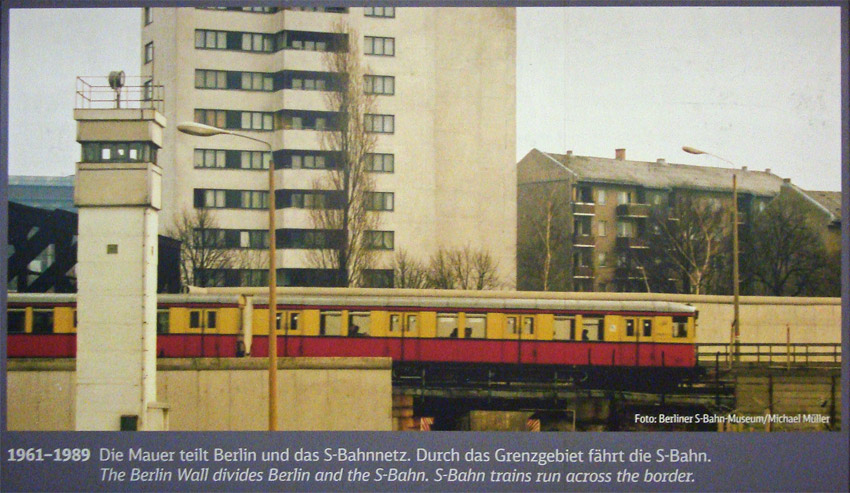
<point x="118" y="195"/>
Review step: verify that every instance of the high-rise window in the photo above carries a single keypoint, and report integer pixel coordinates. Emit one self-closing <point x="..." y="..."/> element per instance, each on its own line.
<point x="379" y="240"/>
<point x="148" y="15"/>
<point x="379" y="84"/>
<point x="231" y="159"/>
<point x="381" y="124"/>
<point x="379" y="201"/>
<point x="373" y="45"/>
<point x="384" y="163"/>
<point x="379" y="11"/>
<point x="149" y="52"/>
<point x="230" y="199"/>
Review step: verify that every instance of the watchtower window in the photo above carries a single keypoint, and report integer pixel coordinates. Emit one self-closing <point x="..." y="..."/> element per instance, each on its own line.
<point x="118" y="152"/>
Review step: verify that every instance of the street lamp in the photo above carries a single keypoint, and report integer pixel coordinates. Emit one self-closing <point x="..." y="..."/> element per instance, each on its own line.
<point x="201" y="130"/>
<point x="736" y="329"/>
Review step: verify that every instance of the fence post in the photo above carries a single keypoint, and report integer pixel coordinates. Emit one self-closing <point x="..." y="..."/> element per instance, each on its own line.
<point x="788" y="346"/>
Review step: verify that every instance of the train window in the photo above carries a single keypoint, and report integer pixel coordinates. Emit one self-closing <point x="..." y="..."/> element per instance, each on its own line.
<point x="195" y="319"/>
<point x="75" y="318"/>
<point x="42" y="321"/>
<point x="476" y="326"/>
<point x="411" y="323"/>
<point x="591" y="329"/>
<point x="510" y="325"/>
<point x="564" y="329"/>
<point x="680" y="326"/>
<point x="528" y="325"/>
<point x="395" y="322"/>
<point x="446" y="325"/>
<point x="211" y="319"/>
<point x="630" y="327"/>
<point x="292" y="321"/>
<point x="162" y="319"/>
<point x="330" y="324"/>
<point x="647" y="328"/>
<point x="359" y="324"/>
<point x="16" y="321"/>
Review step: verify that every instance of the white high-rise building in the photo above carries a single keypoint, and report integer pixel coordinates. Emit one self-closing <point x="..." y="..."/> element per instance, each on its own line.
<point x="445" y="114"/>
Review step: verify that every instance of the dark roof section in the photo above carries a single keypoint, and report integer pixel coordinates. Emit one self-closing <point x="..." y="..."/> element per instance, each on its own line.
<point x="831" y="201"/>
<point x="663" y="175"/>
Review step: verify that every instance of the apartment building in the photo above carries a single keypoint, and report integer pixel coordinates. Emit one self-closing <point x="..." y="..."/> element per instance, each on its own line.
<point x="603" y="210"/>
<point x="444" y="84"/>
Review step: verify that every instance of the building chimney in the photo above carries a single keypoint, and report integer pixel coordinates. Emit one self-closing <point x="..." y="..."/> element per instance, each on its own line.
<point x="767" y="171"/>
<point x="620" y="154"/>
<point x="569" y="153"/>
<point x="743" y="168"/>
<point x="661" y="160"/>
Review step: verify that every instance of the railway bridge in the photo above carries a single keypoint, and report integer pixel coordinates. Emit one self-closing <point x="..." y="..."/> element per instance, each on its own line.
<point x="792" y="379"/>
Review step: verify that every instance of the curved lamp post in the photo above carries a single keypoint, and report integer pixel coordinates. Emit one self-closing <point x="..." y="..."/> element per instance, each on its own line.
<point x="736" y="321"/>
<point x="201" y="130"/>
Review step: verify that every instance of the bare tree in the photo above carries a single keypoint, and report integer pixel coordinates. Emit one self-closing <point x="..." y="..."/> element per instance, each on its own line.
<point x="543" y="249"/>
<point x="441" y="275"/>
<point x="486" y="270"/>
<point x="349" y="211"/>
<point x="201" y="246"/>
<point x="691" y="242"/>
<point x="462" y="268"/>
<point x="786" y="253"/>
<point x="409" y="272"/>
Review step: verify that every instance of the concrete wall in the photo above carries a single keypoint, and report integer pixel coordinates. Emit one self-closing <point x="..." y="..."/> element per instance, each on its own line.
<point x="223" y="394"/>
<point x="764" y="319"/>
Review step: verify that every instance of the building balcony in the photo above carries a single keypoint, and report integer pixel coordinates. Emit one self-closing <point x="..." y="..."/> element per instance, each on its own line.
<point x="633" y="210"/>
<point x="584" y="209"/>
<point x="584" y="241"/>
<point x="583" y="272"/>
<point x="628" y="274"/>
<point x="623" y="242"/>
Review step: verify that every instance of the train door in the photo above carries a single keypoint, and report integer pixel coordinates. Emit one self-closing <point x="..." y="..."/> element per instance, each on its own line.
<point x="404" y="326"/>
<point x="291" y="321"/>
<point x="521" y="328"/>
<point x="205" y="321"/>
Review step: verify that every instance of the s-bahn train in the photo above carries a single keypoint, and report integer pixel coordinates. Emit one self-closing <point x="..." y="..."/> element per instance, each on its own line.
<point x="413" y="327"/>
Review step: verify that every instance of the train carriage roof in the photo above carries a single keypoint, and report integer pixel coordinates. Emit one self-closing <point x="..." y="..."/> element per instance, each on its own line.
<point x="400" y="298"/>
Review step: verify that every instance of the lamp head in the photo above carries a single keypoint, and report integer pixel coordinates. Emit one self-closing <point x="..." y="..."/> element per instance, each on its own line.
<point x="199" y="129"/>
<point x="691" y="150"/>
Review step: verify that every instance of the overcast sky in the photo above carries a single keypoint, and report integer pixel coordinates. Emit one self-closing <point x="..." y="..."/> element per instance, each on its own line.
<point x="757" y="86"/>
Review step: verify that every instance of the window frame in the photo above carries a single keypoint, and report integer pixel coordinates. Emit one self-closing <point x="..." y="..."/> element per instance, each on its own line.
<point x="371" y="43"/>
<point x="148" y="53"/>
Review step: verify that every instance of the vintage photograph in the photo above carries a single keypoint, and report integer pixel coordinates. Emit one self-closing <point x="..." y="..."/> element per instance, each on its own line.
<point x="547" y="219"/>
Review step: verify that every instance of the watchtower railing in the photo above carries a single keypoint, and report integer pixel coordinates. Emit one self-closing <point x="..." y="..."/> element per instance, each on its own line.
<point x="95" y="92"/>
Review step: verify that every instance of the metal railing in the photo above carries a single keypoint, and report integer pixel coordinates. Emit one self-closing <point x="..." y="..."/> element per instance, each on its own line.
<point x="795" y="354"/>
<point x="95" y="92"/>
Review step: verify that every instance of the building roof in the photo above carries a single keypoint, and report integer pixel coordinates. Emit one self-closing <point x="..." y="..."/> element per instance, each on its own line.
<point x="830" y="201"/>
<point x="663" y="175"/>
